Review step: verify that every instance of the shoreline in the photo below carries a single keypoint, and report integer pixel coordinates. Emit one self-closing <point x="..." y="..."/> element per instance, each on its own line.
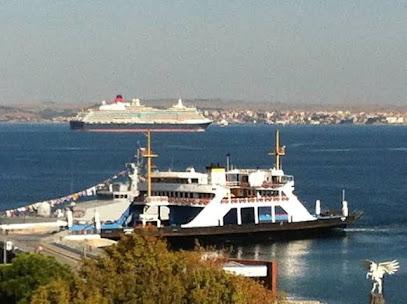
<point x="231" y="124"/>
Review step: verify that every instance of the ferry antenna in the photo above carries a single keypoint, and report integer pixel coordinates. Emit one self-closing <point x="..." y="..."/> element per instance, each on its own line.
<point x="278" y="151"/>
<point x="149" y="156"/>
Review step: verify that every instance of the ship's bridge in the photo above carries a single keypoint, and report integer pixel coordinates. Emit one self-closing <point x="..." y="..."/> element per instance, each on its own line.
<point x="257" y="178"/>
<point x="187" y="177"/>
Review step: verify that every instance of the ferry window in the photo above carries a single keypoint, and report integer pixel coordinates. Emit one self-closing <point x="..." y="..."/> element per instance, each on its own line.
<point x="247" y="215"/>
<point x="281" y="214"/>
<point x="231" y="217"/>
<point x="182" y="214"/>
<point x="232" y="177"/>
<point x="194" y="180"/>
<point x="264" y="214"/>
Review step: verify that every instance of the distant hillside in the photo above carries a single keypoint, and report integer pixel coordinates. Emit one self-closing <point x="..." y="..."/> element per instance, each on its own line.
<point x="223" y="104"/>
<point x="33" y="114"/>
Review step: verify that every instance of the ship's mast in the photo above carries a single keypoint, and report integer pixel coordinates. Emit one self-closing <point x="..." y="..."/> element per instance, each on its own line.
<point x="149" y="156"/>
<point x="278" y="150"/>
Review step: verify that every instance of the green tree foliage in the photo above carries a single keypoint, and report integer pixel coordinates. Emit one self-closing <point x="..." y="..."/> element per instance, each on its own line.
<point x="140" y="269"/>
<point x="27" y="272"/>
<point x="55" y="292"/>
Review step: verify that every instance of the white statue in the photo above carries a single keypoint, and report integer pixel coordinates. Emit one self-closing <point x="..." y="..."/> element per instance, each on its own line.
<point x="376" y="272"/>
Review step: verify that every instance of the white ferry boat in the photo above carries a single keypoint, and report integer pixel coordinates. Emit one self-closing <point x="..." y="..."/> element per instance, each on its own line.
<point x="224" y="202"/>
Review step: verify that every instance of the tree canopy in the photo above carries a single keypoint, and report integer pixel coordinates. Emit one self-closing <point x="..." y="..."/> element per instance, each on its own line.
<point x="141" y="269"/>
<point x="27" y="272"/>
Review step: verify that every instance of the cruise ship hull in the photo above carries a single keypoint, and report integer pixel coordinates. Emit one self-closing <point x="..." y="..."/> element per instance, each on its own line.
<point x="139" y="127"/>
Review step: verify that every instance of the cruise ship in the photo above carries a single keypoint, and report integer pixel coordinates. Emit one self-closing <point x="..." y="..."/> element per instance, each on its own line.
<point x="132" y="116"/>
<point x="224" y="202"/>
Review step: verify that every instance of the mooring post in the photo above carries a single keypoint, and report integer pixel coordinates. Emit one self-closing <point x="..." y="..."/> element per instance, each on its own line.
<point x="272" y="273"/>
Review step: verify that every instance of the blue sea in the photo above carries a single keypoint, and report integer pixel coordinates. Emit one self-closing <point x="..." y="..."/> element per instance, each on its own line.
<point x="43" y="161"/>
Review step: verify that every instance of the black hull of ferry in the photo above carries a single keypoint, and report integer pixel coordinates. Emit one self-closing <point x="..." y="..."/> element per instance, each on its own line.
<point x="134" y="127"/>
<point x="249" y="232"/>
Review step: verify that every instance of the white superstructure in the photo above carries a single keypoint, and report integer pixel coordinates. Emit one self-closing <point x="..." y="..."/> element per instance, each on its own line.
<point x="221" y="196"/>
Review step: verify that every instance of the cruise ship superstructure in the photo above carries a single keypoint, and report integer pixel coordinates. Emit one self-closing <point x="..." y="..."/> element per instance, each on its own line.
<point x="132" y="116"/>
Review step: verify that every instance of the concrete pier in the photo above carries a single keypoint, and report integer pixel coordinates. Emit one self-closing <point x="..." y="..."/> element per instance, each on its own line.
<point x="60" y="245"/>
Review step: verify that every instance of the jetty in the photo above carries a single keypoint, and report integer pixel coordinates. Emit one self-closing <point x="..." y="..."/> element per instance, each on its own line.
<point x="67" y="249"/>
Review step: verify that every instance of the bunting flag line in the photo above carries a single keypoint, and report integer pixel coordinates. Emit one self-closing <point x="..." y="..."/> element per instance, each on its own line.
<point x="73" y="197"/>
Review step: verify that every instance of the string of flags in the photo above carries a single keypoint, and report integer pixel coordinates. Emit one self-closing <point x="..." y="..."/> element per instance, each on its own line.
<point x="91" y="191"/>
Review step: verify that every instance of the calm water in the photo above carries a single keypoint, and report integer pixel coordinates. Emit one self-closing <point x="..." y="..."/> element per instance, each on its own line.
<point x="44" y="161"/>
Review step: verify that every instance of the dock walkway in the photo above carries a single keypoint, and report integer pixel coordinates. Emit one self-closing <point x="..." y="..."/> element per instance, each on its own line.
<point x="50" y="244"/>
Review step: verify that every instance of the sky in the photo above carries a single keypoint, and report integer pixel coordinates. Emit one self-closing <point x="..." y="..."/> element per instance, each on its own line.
<point x="298" y="52"/>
